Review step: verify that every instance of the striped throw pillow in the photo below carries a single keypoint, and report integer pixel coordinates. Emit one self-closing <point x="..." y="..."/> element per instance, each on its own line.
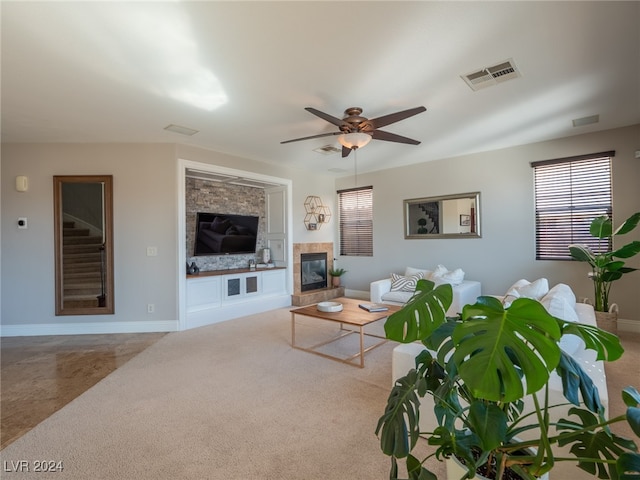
<point x="401" y="283"/>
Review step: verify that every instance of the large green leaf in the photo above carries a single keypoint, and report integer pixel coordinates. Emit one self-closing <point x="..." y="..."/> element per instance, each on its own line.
<point x="422" y="314"/>
<point x="630" y="396"/>
<point x="628" y="466"/>
<point x="495" y="346"/>
<point x="582" y="253"/>
<point x="489" y="422"/>
<point x="416" y="471"/>
<point x="591" y="442"/>
<point x="398" y="427"/>
<point x="628" y="250"/>
<point x="633" y="419"/>
<point x="601" y="227"/>
<point x="628" y="225"/>
<point x="606" y="344"/>
<point x="574" y="380"/>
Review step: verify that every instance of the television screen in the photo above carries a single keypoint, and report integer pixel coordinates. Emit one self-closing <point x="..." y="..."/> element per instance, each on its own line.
<point x="225" y="234"/>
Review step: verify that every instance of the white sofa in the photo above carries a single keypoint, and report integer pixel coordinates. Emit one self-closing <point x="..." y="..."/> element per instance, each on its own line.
<point x="464" y="291"/>
<point x="560" y="302"/>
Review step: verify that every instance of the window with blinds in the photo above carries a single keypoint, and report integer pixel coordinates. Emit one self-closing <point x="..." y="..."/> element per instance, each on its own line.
<point x="569" y="194"/>
<point x="356" y="221"/>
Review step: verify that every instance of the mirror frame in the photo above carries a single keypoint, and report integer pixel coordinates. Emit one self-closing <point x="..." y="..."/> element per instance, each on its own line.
<point x="439" y="199"/>
<point x="107" y="211"/>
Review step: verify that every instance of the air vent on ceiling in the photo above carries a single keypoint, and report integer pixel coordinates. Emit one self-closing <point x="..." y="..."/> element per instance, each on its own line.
<point x="181" y="130"/>
<point x="581" y="122"/>
<point x="327" y="150"/>
<point x="489" y="76"/>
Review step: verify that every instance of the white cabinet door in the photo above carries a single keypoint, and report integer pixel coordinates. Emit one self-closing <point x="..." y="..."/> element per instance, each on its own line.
<point x="203" y="293"/>
<point x="274" y="282"/>
<point x="276" y="234"/>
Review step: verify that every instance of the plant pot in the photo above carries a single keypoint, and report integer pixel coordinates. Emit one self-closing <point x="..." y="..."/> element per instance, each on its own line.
<point x="608" y="320"/>
<point x="456" y="471"/>
<point x="335" y="282"/>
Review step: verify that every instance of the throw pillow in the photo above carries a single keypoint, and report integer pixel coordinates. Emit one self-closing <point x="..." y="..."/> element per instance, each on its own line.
<point x="525" y="289"/>
<point x="413" y="271"/>
<point x="441" y="275"/>
<point x="563" y="291"/>
<point x="401" y="283"/>
<point x="557" y="306"/>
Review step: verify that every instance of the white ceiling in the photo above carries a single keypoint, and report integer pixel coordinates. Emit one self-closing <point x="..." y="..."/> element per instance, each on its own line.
<point x="241" y="74"/>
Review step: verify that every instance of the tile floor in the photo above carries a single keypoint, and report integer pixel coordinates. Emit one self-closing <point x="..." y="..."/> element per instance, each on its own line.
<point x="40" y="375"/>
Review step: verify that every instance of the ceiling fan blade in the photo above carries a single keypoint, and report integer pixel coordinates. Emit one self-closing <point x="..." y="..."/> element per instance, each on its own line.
<point x="394" y="117"/>
<point x="345" y="151"/>
<point x="392" y="137"/>
<point x="325" y="116"/>
<point x="313" y="136"/>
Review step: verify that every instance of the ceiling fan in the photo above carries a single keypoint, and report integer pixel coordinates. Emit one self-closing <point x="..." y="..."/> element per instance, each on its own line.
<point x="356" y="131"/>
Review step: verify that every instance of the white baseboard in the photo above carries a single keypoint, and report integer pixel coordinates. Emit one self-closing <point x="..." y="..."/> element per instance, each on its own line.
<point x="31" y="330"/>
<point x="625" y="325"/>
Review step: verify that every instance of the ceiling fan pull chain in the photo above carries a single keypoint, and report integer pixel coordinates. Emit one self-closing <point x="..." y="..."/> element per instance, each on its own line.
<point x="355" y="164"/>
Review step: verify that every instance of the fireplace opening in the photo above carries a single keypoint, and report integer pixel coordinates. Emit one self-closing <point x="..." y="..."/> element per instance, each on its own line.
<point x="313" y="271"/>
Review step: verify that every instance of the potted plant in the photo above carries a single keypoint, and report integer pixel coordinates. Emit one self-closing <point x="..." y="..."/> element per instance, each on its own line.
<point x="487" y="362"/>
<point x="606" y="266"/>
<point x="336" y="273"/>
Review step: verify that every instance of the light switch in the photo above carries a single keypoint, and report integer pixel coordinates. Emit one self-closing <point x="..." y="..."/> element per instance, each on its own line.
<point x="152" y="251"/>
<point x="22" y="222"/>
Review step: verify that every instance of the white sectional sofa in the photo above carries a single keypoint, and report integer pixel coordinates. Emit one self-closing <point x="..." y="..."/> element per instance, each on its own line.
<point x="560" y="302"/>
<point x="464" y="291"/>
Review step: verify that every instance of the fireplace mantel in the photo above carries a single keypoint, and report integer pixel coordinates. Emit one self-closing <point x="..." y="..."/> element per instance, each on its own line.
<point x="300" y="298"/>
<point x="299" y="249"/>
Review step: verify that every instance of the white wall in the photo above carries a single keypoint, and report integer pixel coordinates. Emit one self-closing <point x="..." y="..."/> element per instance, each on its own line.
<point x="506" y="251"/>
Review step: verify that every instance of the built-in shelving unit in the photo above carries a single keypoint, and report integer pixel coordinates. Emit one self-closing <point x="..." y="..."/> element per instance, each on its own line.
<point x="221" y="295"/>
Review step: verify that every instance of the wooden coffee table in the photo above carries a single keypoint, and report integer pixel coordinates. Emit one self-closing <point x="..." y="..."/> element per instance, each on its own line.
<point x="351" y="315"/>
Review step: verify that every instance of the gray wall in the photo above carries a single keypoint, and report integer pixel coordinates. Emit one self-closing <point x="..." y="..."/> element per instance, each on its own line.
<point x="506" y="251"/>
<point x="144" y="204"/>
<point x="145" y="214"/>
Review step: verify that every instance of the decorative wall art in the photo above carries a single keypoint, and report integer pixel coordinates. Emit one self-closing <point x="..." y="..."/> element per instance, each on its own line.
<point x="316" y="214"/>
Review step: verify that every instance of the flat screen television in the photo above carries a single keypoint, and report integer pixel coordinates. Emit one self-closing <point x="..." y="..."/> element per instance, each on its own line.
<point x="225" y="234"/>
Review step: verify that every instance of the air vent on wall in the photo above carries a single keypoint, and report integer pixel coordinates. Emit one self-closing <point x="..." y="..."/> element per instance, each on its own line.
<point x="489" y="76"/>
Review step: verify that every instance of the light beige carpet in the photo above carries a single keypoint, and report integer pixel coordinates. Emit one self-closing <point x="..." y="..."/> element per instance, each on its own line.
<point x="227" y="401"/>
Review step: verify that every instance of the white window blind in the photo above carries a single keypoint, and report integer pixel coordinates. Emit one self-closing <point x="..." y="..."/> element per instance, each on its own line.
<point x="356" y="221"/>
<point x="569" y="194"/>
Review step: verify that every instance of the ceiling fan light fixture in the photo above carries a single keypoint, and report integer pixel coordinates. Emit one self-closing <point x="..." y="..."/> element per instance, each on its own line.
<point x="354" y="140"/>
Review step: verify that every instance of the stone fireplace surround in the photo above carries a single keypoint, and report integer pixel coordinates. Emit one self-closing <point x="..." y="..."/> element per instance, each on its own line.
<point x="300" y="298"/>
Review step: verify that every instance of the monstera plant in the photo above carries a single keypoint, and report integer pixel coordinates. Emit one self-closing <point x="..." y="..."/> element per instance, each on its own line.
<point x="606" y="267"/>
<point x="481" y="369"/>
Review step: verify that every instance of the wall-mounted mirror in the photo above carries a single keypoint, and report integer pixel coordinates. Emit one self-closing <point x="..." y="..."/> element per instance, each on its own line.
<point x="447" y="216"/>
<point x="83" y="226"/>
